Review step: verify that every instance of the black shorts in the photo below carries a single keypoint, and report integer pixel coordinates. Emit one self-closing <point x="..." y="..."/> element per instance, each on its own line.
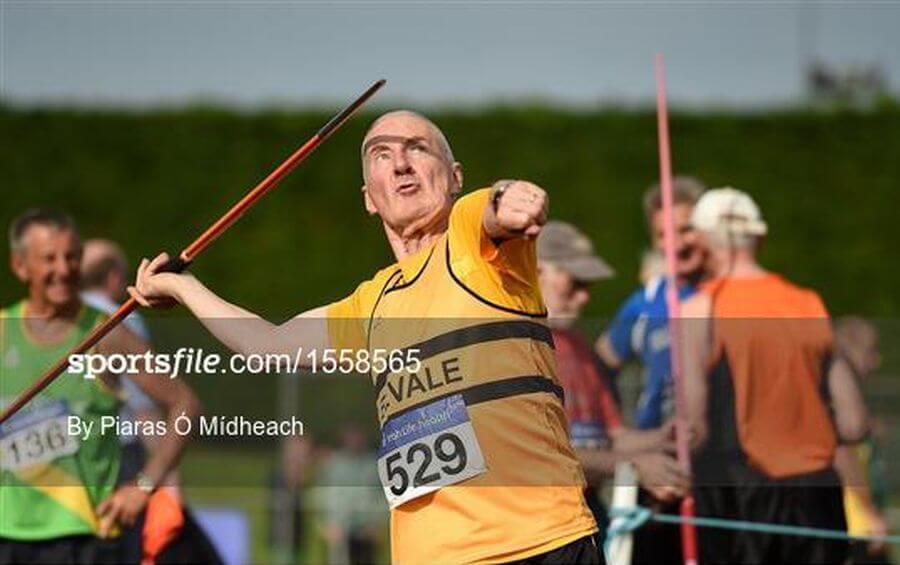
<point x="657" y="543"/>
<point x="812" y="500"/>
<point x="68" y="550"/>
<point x="583" y="551"/>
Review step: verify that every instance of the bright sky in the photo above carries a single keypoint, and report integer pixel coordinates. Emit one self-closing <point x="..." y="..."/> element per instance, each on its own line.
<point x="251" y="53"/>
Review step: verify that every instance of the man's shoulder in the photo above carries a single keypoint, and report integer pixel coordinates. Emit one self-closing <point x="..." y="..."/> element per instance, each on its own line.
<point x="471" y="203"/>
<point x="697" y="305"/>
<point x="12" y="310"/>
<point x="379" y="279"/>
<point x="366" y="293"/>
<point x="644" y="296"/>
<point x="102" y="303"/>
<point x="806" y="298"/>
<point x="92" y="312"/>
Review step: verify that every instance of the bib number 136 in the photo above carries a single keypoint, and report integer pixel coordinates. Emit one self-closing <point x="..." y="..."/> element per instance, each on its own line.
<point x="425" y="462"/>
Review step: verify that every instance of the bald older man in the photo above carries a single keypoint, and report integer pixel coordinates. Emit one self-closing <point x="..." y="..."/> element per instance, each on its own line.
<point x="475" y="460"/>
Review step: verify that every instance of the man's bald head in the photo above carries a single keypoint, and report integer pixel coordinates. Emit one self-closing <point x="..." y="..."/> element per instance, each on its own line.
<point x="409" y="176"/>
<point x="104" y="268"/>
<point x="439" y="136"/>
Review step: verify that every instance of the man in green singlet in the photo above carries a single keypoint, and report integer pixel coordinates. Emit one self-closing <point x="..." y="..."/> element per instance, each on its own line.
<point x="58" y="500"/>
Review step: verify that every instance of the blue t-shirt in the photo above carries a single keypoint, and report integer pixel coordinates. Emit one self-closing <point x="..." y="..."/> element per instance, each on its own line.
<point x="641" y="330"/>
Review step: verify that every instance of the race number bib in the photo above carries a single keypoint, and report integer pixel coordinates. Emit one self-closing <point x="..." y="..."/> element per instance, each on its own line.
<point x="428" y="448"/>
<point x="36" y="437"/>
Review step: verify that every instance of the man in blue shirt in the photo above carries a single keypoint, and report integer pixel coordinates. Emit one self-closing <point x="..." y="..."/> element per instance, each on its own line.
<point x="640" y="331"/>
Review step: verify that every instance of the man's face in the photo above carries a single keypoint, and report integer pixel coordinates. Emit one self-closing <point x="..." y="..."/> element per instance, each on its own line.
<point x="689" y="250"/>
<point x="49" y="264"/>
<point x="564" y="296"/>
<point x="409" y="180"/>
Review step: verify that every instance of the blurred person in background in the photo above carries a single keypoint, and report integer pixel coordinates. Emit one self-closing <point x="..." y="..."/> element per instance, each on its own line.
<point x="104" y="272"/>
<point x="640" y="330"/>
<point x="766" y="414"/>
<point x="167" y="530"/>
<point x="653" y="266"/>
<point x="60" y="501"/>
<point x="567" y="268"/>
<point x="861" y="465"/>
<point x="353" y="512"/>
<point x="287" y="496"/>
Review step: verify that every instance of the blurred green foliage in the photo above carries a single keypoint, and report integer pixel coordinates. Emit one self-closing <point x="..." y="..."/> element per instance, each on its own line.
<point x="828" y="184"/>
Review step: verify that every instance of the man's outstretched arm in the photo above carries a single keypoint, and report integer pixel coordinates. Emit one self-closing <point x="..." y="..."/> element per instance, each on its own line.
<point x="238" y="329"/>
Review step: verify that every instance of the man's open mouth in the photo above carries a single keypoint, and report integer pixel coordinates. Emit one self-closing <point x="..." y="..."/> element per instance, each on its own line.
<point x="407" y="187"/>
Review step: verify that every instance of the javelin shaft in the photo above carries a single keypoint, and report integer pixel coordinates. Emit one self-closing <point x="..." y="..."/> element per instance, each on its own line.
<point x="275" y="176"/>
<point x="178" y="264"/>
<point x="61" y="365"/>
<point x="688" y="532"/>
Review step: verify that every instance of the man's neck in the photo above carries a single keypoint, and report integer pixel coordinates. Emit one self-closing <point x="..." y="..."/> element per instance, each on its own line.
<point x="49" y="323"/>
<point x="738" y="264"/>
<point x="36" y="307"/>
<point x="407" y="242"/>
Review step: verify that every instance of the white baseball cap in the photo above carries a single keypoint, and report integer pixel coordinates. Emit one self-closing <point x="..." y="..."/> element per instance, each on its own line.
<point x="728" y="210"/>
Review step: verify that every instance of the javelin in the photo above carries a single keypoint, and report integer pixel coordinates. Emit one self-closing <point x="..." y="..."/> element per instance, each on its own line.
<point x="688" y="532"/>
<point x="182" y="261"/>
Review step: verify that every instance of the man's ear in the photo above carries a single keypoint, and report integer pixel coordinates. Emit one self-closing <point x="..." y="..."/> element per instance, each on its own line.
<point x="457" y="172"/>
<point x="370" y="206"/>
<point x="17" y="266"/>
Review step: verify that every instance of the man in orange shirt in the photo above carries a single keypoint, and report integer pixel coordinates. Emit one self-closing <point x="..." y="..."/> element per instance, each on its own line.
<point x="760" y="397"/>
<point x="474" y="459"/>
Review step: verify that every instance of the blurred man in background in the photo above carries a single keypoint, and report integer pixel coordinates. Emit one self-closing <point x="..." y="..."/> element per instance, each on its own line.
<point x="352" y="508"/>
<point x="757" y="386"/>
<point x="287" y="498"/>
<point x="167" y="531"/>
<point x="640" y="330"/>
<point x="104" y="277"/>
<point x="104" y="272"/>
<point x="59" y="498"/>
<point x="653" y="266"/>
<point x="861" y="465"/>
<point x="567" y="267"/>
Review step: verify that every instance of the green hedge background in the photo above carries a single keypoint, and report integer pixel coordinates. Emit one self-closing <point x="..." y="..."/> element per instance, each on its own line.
<point x="827" y="182"/>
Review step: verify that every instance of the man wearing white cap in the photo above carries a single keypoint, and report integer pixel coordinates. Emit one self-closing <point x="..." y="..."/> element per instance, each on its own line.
<point x="765" y="412"/>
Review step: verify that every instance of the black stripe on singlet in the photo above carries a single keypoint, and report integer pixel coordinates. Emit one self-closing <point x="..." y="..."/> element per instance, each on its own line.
<point x="494" y="390"/>
<point x="471" y="335"/>
<point x="401" y="285"/>
<point x="483" y="300"/>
